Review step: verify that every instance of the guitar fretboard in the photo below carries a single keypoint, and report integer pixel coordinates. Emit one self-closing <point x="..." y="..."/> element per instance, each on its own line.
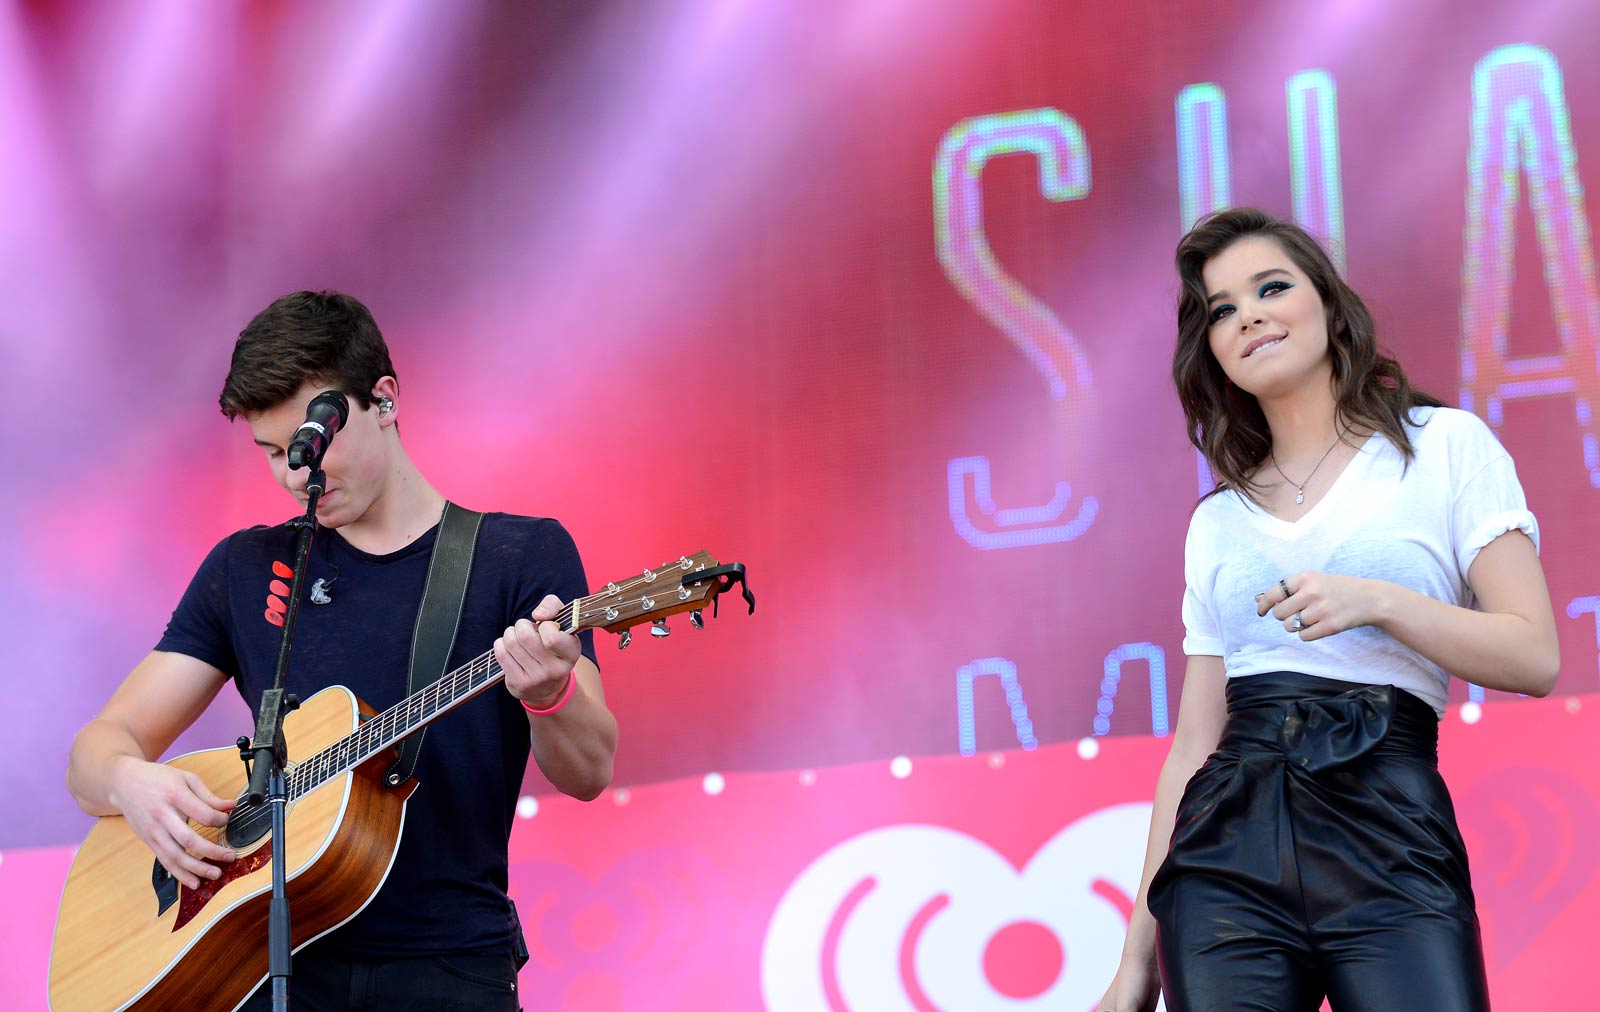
<point x="390" y="726"/>
<point x="619" y="603"/>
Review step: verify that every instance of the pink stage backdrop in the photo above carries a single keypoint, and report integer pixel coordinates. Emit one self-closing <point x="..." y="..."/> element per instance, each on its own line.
<point x="944" y="884"/>
<point x="873" y="296"/>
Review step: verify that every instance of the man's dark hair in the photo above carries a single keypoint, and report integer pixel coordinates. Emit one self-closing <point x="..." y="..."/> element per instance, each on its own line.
<point x="326" y="337"/>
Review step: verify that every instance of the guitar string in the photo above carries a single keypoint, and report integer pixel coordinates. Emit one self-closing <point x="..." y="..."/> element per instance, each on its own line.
<point x="296" y="785"/>
<point x="299" y="773"/>
<point x="388" y="721"/>
<point x="467" y="674"/>
<point x="424" y="702"/>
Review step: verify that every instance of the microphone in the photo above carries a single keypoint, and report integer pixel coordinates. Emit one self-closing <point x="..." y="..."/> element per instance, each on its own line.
<point x="325" y="415"/>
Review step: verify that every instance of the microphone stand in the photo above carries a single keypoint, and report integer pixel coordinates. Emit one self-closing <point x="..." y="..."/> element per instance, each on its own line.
<point x="267" y="754"/>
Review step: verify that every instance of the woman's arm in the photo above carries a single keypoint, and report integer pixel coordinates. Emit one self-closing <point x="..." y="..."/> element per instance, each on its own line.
<point x="1510" y="644"/>
<point x="1202" y="711"/>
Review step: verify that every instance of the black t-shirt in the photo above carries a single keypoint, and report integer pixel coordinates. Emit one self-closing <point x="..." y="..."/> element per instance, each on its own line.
<point x="446" y="892"/>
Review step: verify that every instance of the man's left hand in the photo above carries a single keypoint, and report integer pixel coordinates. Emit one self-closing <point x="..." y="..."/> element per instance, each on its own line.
<point x="538" y="656"/>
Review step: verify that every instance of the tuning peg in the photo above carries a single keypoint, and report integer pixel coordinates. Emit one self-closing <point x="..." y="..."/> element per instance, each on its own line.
<point x="627" y="638"/>
<point x="659" y="628"/>
<point x="696" y="619"/>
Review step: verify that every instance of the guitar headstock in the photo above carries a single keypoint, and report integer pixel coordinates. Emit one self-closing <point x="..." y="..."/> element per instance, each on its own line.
<point x="685" y="585"/>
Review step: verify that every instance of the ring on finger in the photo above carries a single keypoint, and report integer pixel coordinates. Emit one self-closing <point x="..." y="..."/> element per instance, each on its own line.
<point x="1283" y="585"/>
<point x="1298" y="622"/>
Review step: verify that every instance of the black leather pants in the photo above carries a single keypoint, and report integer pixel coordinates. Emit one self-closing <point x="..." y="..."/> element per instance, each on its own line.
<point x="1316" y="854"/>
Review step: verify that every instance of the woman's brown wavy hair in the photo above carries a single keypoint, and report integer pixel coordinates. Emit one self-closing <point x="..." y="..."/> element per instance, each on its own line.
<point x="1225" y="423"/>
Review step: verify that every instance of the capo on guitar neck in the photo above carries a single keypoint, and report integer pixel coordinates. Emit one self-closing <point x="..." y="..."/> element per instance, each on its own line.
<point x="727" y="576"/>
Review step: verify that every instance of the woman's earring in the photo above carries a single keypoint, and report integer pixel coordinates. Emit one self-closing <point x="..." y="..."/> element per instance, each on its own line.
<point x="385" y="405"/>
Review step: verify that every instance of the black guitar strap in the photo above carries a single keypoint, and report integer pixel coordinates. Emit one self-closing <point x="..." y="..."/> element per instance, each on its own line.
<point x="443" y="595"/>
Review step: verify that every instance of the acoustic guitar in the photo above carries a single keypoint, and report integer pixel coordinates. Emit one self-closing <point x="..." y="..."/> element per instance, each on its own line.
<point x="131" y="937"/>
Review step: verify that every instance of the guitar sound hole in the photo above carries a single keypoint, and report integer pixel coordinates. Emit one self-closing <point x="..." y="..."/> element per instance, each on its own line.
<point x="247" y="824"/>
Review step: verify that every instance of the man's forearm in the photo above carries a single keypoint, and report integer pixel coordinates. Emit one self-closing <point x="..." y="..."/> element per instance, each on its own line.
<point x="95" y="753"/>
<point x="575" y="746"/>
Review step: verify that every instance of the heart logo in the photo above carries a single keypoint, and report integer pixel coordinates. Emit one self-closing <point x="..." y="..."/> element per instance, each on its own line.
<point x="626" y="940"/>
<point x="1530" y="833"/>
<point x="918" y="918"/>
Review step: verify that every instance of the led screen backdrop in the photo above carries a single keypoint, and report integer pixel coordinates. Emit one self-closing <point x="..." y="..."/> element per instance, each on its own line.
<point x="875" y="297"/>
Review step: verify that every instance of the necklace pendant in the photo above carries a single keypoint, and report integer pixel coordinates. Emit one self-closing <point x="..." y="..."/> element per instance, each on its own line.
<point x="1300" y="497"/>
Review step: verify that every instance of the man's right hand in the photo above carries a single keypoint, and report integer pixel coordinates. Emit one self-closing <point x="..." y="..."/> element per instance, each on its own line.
<point x="159" y="802"/>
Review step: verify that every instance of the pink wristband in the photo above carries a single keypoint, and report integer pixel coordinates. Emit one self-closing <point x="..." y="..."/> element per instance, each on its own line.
<point x="566" y="694"/>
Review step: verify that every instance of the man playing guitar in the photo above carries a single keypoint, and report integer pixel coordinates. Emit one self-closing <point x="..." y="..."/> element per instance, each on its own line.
<point x="440" y="931"/>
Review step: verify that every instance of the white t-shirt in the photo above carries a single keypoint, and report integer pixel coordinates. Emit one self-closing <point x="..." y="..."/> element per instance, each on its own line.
<point x="1420" y="527"/>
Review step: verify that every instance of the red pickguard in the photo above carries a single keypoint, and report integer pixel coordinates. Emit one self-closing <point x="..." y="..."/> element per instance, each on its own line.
<point x="191" y="902"/>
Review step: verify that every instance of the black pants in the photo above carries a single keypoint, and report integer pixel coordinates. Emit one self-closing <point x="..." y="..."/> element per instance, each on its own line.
<point x="1316" y="854"/>
<point x="329" y="982"/>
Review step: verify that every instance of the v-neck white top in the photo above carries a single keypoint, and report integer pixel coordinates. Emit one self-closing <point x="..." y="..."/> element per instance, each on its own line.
<point x="1419" y="526"/>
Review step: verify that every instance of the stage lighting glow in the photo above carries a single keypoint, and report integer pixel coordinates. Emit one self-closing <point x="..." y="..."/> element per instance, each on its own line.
<point x="1590" y="605"/>
<point x="1314" y="159"/>
<point x="900" y="767"/>
<point x="1471" y="713"/>
<point x="1037" y="524"/>
<point x="966" y="721"/>
<point x="1057" y="143"/>
<point x="1156" y="658"/>
<point x="1204" y="184"/>
<point x="713" y="784"/>
<point x="1203" y="171"/>
<point x="1088" y="748"/>
<point x="808" y="778"/>
<point x="621" y="796"/>
<point x="527" y="806"/>
<point x="1521" y="129"/>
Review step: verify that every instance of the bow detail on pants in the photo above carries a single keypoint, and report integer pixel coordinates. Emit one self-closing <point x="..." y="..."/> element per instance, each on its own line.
<point x="1327" y="732"/>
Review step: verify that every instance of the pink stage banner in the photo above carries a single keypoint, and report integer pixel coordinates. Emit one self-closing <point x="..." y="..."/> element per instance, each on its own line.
<point x="997" y="881"/>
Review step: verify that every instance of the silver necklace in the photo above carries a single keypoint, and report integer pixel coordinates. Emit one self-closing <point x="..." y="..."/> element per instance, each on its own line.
<point x="1300" y="486"/>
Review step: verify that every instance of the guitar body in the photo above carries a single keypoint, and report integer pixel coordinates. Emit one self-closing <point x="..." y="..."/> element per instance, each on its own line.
<point x="116" y="948"/>
<point x="130" y="939"/>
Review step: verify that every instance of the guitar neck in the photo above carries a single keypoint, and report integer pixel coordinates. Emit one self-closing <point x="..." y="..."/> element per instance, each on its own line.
<point x="397" y="722"/>
<point x="677" y="586"/>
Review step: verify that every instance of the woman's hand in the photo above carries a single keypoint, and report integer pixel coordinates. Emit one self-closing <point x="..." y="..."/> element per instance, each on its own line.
<point x="1321" y="604"/>
<point x="1136" y="988"/>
